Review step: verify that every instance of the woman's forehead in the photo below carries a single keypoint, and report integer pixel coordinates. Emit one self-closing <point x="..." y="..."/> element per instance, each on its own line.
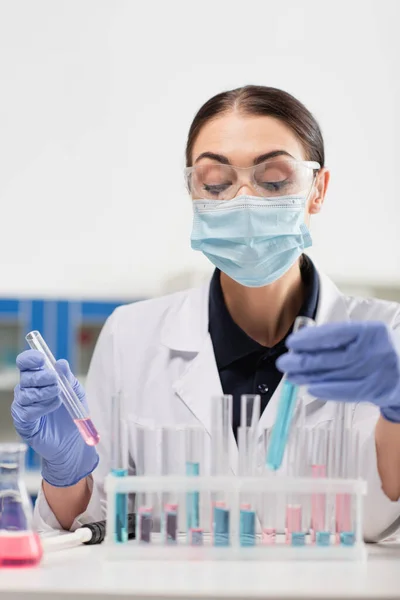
<point x="241" y="138"/>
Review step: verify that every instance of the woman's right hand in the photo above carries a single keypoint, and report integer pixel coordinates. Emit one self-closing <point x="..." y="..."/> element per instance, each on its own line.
<point x="43" y="422"/>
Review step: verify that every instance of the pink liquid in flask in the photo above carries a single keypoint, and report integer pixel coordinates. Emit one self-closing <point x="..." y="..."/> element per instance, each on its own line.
<point x="20" y="549"/>
<point x="88" y="431"/>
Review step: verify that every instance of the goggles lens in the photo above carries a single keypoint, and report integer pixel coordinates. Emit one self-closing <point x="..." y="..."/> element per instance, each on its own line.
<point x="270" y="179"/>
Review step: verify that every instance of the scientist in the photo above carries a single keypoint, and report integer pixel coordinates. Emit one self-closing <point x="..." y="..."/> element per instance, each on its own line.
<point x="256" y="175"/>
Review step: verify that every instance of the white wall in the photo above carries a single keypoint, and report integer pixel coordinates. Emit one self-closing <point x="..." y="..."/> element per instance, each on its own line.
<point x="96" y="98"/>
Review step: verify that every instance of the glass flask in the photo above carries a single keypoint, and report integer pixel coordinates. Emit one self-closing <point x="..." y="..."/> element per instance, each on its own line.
<point x="20" y="546"/>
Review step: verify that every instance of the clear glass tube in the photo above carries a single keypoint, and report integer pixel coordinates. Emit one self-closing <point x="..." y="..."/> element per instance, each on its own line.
<point x="269" y="518"/>
<point x="320" y="527"/>
<point x="119" y="466"/>
<point x="247" y="458"/>
<point x="144" y="444"/>
<point x="286" y="411"/>
<point x="250" y="410"/>
<point x="220" y="465"/>
<point x="345" y="503"/>
<point x="173" y="444"/>
<point x="296" y="507"/>
<point x="194" y="463"/>
<point x="341" y="465"/>
<point x="74" y="406"/>
<point x="221" y="431"/>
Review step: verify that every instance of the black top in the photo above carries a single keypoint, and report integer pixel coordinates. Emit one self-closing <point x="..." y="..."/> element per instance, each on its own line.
<point x="244" y="365"/>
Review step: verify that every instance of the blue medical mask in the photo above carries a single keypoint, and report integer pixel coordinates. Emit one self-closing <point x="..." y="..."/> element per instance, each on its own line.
<point x="253" y="240"/>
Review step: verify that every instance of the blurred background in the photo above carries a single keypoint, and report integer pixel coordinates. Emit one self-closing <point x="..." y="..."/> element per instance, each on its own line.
<point x="96" y="100"/>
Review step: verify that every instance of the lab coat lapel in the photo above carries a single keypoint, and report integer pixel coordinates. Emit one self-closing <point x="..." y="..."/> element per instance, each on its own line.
<point x="186" y="332"/>
<point x="331" y="308"/>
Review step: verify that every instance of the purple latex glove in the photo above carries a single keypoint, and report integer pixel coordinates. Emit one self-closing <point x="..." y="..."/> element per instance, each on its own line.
<point x="352" y="361"/>
<point x="43" y="422"/>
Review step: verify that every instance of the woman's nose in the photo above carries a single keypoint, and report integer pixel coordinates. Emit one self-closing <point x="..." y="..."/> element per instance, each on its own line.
<point x="246" y="189"/>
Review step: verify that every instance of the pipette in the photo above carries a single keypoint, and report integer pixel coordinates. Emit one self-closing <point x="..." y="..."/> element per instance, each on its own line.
<point x="285" y="411"/>
<point x="74" y="406"/>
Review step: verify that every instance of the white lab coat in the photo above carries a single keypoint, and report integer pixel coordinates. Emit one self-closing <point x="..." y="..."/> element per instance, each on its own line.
<point x="159" y="354"/>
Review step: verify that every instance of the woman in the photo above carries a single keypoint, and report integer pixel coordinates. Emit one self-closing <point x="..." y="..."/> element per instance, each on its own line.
<point x="256" y="174"/>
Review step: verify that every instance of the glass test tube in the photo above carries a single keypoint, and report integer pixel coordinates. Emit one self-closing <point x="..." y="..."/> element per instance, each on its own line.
<point x="285" y="411"/>
<point x="247" y="515"/>
<point x="220" y="465"/>
<point x="345" y="503"/>
<point x="341" y="457"/>
<point x="295" y="533"/>
<point x="73" y="405"/>
<point x="250" y="410"/>
<point x="320" y="521"/>
<point x="172" y="463"/>
<point x="144" y="444"/>
<point x="119" y="466"/>
<point x="194" y="457"/>
<point x="268" y="503"/>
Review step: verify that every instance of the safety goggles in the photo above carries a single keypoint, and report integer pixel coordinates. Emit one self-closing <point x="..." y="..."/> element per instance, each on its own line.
<point x="269" y="179"/>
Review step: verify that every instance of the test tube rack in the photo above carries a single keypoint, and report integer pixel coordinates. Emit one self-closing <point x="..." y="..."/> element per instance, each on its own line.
<point x="234" y="487"/>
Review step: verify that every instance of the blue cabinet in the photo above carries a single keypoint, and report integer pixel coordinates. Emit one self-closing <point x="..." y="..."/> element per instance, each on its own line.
<point x="70" y="328"/>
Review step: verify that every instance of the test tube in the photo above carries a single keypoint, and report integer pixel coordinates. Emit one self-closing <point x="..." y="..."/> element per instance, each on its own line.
<point x="119" y="466"/>
<point x="73" y="405"/>
<point x="268" y="501"/>
<point x="340" y="449"/>
<point x="144" y="444"/>
<point x="194" y="453"/>
<point x="172" y="463"/>
<point x="249" y="418"/>
<point x="269" y="519"/>
<point x="247" y="525"/>
<point x="295" y="533"/>
<point x="220" y="465"/>
<point x="320" y="529"/>
<point x="249" y="410"/>
<point x="349" y="468"/>
<point x="286" y="411"/>
<point x="247" y="515"/>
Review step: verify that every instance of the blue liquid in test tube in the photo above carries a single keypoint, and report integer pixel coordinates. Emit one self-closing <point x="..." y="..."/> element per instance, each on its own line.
<point x="247" y="525"/>
<point x="193" y="498"/>
<point x="281" y="428"/>
<point x="286" y="408"/>
<point x="119" y="467"/>
<point x="221" y="525"/>
<point x="121" y="510"/>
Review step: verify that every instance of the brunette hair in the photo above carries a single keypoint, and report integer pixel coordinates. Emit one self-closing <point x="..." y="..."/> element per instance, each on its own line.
<point x="263" y="101"/>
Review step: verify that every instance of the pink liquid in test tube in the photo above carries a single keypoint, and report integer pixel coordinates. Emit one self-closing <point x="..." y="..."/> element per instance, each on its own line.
<point x="88" y="431"/>
<point x="68" y="395"/>
<point x="293" y="521"/>
<point x="318" y="503"/>
<point x="268" y="536"/>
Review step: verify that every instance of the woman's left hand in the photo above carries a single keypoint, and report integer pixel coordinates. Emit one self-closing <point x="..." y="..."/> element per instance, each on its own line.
<point x="353" y="361"/>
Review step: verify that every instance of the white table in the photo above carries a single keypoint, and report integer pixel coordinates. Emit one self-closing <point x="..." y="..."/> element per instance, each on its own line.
<point x="85" y="572"/>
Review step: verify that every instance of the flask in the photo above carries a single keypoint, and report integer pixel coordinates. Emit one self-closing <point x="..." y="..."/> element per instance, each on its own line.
<point x="20" y="546"/>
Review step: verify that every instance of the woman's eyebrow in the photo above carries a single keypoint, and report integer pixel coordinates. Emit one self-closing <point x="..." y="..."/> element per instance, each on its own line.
<point x="218" y="157"/>
<point x="259" y="159"/>
<point x="269" y="155"/>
